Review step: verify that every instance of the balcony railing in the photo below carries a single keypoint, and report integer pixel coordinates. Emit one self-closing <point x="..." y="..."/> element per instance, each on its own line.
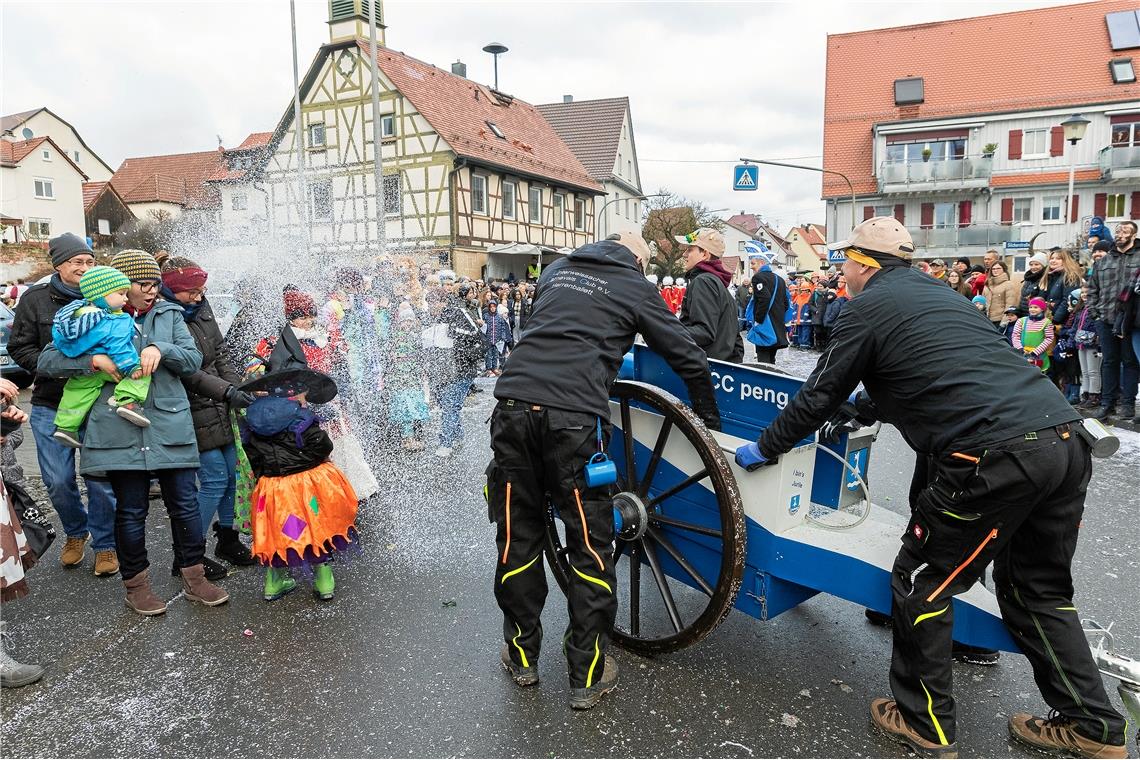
<point x="972" y="235"/>
<point x="958" y="172"/>
<point x="1123" y="161"/>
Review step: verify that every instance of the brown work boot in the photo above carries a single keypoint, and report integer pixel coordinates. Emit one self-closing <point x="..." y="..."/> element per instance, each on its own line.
<point x="106" y="562"/>
<point x="885" y="716"/>
<point x="73" y="550"/>
<point x="1058" y="734"/>
<point x="586" y="698"/>
<point x="200" y="590"/>
<point x="141" y="598"/>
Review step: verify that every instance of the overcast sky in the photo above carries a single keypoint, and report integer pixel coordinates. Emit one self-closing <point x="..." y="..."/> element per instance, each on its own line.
<point x="708" y="81"/>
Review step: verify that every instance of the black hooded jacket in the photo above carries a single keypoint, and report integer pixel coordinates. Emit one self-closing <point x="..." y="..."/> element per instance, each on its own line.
<point x="903" y="337"/>
<point x="588" y="307"/>
<point x="708" y="312"/>
<point x="31" y="333"/>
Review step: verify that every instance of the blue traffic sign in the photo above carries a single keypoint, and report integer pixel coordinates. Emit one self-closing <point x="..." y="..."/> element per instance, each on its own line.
<point x="1017" y="245"/>
<point x="836" y="256"/>
<point x="745" y="177"/>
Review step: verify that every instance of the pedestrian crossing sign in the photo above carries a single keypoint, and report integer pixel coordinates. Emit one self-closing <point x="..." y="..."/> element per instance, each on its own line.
<point x="836" y="257"/>
<point x="745" y="177"/>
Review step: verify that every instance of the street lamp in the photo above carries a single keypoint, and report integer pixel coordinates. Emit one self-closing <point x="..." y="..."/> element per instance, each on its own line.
<point x="496" y="49"/>
<point x="1074" y="128"/>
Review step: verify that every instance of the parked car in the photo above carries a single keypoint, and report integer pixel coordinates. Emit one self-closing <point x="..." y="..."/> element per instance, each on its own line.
<point x="9" y="370"/>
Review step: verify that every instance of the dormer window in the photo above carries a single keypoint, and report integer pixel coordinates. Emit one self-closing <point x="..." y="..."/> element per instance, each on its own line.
<point x="495" y="130"/>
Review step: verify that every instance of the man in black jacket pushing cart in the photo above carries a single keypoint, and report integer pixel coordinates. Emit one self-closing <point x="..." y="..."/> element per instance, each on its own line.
<point x="552" y="416"/>
<point x="1007" y="486"/>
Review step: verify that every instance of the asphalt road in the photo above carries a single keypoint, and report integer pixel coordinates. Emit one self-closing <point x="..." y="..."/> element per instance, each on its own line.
<point x="404" y="662"/>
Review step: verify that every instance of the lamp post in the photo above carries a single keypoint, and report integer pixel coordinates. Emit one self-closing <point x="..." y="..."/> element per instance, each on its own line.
<point x="1074" y="127"/>
<point x="813" y="169"/>
<point x="496" y="49"/>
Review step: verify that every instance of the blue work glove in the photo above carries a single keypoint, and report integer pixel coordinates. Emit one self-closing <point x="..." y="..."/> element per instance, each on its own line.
<point x="749" y="457"/>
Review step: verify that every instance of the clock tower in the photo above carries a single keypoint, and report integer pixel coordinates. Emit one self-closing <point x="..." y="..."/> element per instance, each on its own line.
<point x="348" y="20"/>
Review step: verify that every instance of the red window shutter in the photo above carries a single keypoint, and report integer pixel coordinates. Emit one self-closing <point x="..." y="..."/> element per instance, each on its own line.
<point x="1014" y="145"/>
<point x="1100" y="204"/>
<point x="868" y="212"/>
<point x="900" y="212"/>
<point x="927" y="216"/>
<point x="1135" y="206"/>
<point x="1076" y="206"/>
<point x="1057" y="141"/>
<point x="1007" y="210"/>
<point x="964" y="210"/>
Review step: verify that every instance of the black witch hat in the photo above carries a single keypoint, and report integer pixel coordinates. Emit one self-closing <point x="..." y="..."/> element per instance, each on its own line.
<point x="318" y="387"/>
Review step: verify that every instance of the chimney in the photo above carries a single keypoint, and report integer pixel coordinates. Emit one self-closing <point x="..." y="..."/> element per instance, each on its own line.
<point x="459" y="68"/>
<point x="567" y="98"/>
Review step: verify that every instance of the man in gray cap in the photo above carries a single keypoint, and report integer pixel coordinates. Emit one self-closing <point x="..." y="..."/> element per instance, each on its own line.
<point x="31" y="332"/>
<point x="1007" y="480"/>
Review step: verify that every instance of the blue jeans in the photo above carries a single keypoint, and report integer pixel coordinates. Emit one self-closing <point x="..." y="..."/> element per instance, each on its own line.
<point x="217" y="486"/>
<point x="491" y="359"/>
<point x="179" y="494"/>
<point x="451" y="400"/>
<point x="57" y="468"/>
<point x="1119" y="371"/>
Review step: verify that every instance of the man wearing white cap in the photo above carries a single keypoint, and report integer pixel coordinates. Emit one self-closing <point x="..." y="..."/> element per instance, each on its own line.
<point x="708" y="310"/>
<point x="1007" y="485"/>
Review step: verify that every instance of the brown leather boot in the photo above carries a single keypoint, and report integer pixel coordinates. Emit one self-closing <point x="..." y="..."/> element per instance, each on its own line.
<point x="885" y="716"/>
<point x="200" y="590"/>
<point x="141" y="598"/>
<point x="1058" y="734"/>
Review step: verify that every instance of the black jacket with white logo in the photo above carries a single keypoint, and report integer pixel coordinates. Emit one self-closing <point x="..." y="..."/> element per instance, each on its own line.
<point x="588" y="307"/>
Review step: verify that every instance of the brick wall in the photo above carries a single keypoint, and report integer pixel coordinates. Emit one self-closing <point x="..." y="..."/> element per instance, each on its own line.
<point x="27" y="260"/>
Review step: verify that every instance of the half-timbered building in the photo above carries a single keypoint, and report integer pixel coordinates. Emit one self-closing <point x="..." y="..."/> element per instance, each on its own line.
<point x="467" y="170"/>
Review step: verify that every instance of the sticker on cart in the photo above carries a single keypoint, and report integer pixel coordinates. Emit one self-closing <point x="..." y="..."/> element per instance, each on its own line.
<point x="858" y="461"/>
<point x="794" y="505"/>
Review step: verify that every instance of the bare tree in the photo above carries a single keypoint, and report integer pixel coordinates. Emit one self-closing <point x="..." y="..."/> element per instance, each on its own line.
<point x="669" y="215"/>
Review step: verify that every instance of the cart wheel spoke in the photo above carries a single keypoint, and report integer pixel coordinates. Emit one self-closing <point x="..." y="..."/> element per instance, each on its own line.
<point x="669" y="493"/>
<point x="663" y="586"/>
<point x="655" y="458"/>
<point x="627" y="438"/>
<point x="656" y="518"/>
<point x="679" y="558"/>
<point x="619" y="549"/>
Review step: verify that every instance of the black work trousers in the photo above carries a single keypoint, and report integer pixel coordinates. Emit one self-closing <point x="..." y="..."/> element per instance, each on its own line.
<point x="540" y="451"/>
<point x="1018" y="504"/>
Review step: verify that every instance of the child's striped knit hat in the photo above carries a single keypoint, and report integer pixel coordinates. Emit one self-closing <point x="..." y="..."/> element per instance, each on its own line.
<point x="97" y="282"/>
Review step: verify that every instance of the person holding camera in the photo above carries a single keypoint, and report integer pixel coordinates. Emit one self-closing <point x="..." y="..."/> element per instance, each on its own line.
<point x="552" y="416"/>
<point x="1007" y="485"/>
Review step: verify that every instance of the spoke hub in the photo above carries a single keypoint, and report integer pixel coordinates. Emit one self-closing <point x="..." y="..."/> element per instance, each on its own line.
<point x="630" y="516"/>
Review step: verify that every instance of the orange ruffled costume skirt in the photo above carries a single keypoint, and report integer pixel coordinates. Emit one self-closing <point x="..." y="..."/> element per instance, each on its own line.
<point x="301" y="518"/>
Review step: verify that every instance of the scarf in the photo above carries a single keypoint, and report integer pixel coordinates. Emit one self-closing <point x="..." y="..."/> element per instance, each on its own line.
<point x="189" y="310"/>
<point x="137" y="313"/>
<point x="713" y="267"/>
<point x="318" y="338"/>
<point x="67" y="290"/>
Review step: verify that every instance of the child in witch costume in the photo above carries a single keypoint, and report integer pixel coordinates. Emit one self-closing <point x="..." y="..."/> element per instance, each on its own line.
<point x="303" y="507"/>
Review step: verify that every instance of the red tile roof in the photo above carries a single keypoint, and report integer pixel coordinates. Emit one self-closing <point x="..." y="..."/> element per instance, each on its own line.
<point x="12" y="153"/>
<point x="1044" y="178"/>
<point x="91" y="193"/>
<point x="592" y="130"/>
<point x="255" y="140"/>
<point x="748" y="223"/>
<point x="253" y="146"/>
<point x="957" y="61"/>
<point x="458" y="109"/>
<point x="179" y="178"/>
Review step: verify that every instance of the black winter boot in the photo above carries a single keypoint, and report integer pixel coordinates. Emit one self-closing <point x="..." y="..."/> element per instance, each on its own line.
<point x="230" y="548"/>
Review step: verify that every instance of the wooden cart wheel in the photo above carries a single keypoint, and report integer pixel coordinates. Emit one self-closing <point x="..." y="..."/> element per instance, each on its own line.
<point x="679" y="550"/>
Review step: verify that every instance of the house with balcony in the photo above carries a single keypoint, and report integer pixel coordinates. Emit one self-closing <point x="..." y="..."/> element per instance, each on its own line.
<point x="971" y="144"/>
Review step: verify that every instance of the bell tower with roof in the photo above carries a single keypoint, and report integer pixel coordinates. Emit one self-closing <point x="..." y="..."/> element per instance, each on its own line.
<point x="348" y="20"/>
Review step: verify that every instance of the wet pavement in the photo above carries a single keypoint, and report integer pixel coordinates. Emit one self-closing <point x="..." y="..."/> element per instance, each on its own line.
<point x="404" y="662"/>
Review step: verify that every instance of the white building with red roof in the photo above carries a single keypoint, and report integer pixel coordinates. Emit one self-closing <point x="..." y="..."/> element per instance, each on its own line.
<point x="42" y="122"/>
<point x="469" y="172"/>
<point x="955" y="127"/>
<point x="41" y="190"/>
<point x="171" y="184"/>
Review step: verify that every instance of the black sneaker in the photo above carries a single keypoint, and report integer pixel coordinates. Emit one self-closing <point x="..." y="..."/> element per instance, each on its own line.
<point x="132" y="413"/>
<point x="1127" y="412"/>
<point x="520" y="675"/>
<point x="1105" y="413"/>
<point x="874" y="617"/>
<point x="215" y="571"/>
<point x="975" y="655"/>
<point x="585" y="698"/>
<point x="67" y="438"/>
